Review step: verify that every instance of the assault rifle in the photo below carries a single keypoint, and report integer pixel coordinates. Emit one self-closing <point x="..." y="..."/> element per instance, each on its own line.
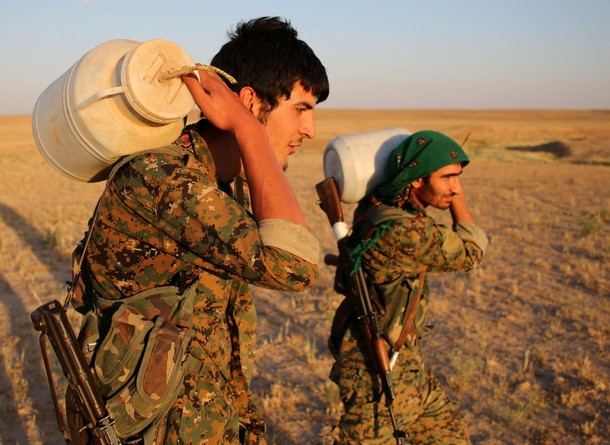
<point x="51" y="320"/>
<point x="357" y="290"/>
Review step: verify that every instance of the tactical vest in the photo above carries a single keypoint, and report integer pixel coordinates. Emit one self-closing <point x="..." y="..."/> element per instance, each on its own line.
<point x="398" y="302"/>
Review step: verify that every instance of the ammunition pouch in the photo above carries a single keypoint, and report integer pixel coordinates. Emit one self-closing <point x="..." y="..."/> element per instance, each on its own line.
<point x="140" y="362"/>
<point x="397" y="304"/>
<point x="402" y="303"/>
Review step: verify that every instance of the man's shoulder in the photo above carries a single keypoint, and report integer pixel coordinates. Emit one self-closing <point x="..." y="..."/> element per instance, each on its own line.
<point x="164" y="163"/>
<point x="379" y="214"/>
<point x="147" y="167"/>
<point x="407" y="230"/>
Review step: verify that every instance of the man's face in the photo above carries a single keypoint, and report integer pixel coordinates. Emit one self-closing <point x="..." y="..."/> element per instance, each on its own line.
<point x="441" y="187"/>
<point x="290" y="122"/>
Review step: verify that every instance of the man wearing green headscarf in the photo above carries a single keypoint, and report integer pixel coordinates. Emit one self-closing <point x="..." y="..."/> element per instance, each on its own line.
<point x="396" y="244"/>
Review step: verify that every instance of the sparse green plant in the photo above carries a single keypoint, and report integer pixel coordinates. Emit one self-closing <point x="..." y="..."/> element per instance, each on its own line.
<point x="310" y="349"/>
<point x="331" y="396"/>
<point x="51" y="238"/>
<point x="554" y="328"/>
<point x="594" y="223"/>
<point x="284" y="332"/>
<point x="527" y="363"/>
<point x="585" y="368"/>
<point x="589" y="427"/>
<point x="599" y="336"/>
<point x="466" y="367"/>
<point x="524" y="409"/>
<point x="514" y="406"/>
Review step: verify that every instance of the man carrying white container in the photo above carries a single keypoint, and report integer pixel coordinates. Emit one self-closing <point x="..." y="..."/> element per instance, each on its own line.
<point x="395" y="244"/>
<point x="174" y="247"/>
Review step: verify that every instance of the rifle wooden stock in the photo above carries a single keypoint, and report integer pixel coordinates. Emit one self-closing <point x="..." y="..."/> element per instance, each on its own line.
<point x="51" y="320"/>
<point x="382" y="360"/>
<point x="330" y="201"/>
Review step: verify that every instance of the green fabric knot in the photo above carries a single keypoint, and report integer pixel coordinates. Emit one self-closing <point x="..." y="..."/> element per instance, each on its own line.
<point x="356" y="253"/>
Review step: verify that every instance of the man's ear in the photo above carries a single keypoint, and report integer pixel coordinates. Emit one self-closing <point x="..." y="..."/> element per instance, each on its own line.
<point x="250" y="99"/>
<point x="417" y="183"/>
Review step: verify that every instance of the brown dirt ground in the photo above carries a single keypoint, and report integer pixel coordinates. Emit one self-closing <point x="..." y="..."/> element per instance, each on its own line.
<point x="521" y="343"/>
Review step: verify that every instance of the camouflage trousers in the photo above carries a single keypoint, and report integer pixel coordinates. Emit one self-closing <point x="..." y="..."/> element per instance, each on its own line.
<point x="421" y="407"/>
<point x="208" y="411"/>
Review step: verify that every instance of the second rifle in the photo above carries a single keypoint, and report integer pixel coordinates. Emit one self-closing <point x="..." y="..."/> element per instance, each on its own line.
<point x="330" y="202"/>
<point x="51" y="320"/>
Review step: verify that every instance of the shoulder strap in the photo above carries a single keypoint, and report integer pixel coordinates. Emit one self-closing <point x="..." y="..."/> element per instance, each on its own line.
<point x="377" y="214"/>
<point x="408" y="327"/>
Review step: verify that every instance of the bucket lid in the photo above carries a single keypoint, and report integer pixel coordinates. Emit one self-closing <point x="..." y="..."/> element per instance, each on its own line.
<point x="160" y="101"/>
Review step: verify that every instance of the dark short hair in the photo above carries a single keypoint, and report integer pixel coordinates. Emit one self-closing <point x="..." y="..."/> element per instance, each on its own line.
<point x="267" y="55"/>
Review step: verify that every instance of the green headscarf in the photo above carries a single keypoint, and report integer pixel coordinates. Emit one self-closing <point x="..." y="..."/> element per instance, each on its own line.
<point x="419" y="155"/>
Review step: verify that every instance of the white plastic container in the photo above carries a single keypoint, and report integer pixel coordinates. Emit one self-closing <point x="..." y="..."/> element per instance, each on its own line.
<point x="357" y="161"/>
<point x="110" y="103"/>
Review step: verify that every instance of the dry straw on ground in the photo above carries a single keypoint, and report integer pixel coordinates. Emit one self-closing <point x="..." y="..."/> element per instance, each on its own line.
<point x="521" y="343"/>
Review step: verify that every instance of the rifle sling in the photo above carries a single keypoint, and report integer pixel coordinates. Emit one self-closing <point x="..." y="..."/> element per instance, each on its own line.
<point x="408" y="327"/>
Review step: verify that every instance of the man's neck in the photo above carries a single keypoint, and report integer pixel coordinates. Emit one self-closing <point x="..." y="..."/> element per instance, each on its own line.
<point x="415" y="205"/>
<point x="224" y="150"/>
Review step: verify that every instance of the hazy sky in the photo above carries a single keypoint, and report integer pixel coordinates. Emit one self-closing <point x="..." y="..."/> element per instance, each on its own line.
<point x="379" y="54"/>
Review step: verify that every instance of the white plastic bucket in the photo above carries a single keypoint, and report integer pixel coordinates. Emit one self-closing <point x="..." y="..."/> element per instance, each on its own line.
<point x="357" y="161"/>
<point x="110" y="103"/>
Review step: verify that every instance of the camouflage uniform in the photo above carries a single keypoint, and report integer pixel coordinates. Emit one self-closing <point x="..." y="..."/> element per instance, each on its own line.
<point x="165" y="220"/>
<point x="410" y="246"/>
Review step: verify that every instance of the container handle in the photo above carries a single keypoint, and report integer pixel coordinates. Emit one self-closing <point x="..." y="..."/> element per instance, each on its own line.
<point x="100" y="95"/>
<point x="189" y="69"/>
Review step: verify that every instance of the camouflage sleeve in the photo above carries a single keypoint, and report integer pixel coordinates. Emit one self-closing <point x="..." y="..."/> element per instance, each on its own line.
<point x="418" y="245"/>
<point x="471" y="233"/>
<point x="441" y="249"/>
<point x="192" y="212"/>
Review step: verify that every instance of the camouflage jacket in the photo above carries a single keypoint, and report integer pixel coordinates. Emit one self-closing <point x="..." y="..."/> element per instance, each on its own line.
<point x="165" y="220"/>
<point x="411" y="246"/>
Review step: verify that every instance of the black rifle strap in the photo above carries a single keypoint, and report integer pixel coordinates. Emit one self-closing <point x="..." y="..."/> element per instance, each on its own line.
<point x="345" y="313"/>
<point x="60" y="421"/>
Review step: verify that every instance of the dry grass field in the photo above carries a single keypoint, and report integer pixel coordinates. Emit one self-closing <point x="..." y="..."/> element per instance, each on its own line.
<point x="522" y="343"/>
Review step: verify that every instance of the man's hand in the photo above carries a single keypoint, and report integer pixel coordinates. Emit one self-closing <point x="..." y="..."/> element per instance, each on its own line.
<point x="459" y="209"/>
<point x="221" y="106"/>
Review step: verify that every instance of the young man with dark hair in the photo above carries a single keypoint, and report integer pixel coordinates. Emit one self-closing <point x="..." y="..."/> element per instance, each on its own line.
<point x="181" y="218"/>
